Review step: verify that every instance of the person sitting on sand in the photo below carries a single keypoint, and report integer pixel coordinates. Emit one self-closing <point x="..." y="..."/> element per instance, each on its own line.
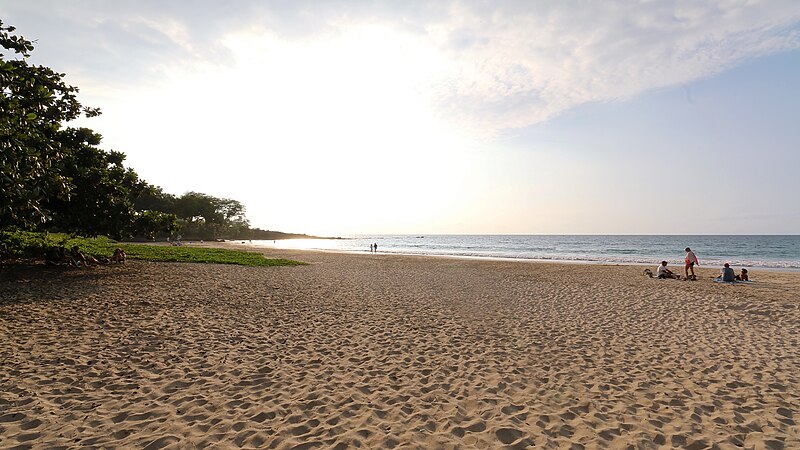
<point x="64" y="257"/>
<point x="691" y="261"/>
<point x="664" y="273"/>
<point x="56" y="256"/>
<point x="119" y="256"/>
<point x="743" y="276"/>
<point x="727" y="273"/>
<point x="78" y="256"/>
<point x="82" y="258"/>
<point x="51" y="257"/>
<point x="67" y="257"/>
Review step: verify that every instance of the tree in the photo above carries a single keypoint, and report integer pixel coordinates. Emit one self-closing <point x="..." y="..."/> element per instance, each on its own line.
<point x="102" y="191"/>
<point x="234" y="221"/>
<point x="205" y="216"/>
<point x="150" y="224"/>
<point x="35" y="102"/>
<point x="55" y="177"/>
<point x="153" y="198"/>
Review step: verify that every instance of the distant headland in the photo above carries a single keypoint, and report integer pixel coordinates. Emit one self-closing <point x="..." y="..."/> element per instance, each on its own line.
<point x="269" y="235"/>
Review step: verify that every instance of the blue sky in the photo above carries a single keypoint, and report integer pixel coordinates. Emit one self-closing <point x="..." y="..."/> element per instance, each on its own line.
<point x="460" y="117"/>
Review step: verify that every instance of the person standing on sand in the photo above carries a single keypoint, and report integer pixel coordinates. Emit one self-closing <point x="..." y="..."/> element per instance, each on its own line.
<point x="376" y="247"/>
<point x="691" y="261"/>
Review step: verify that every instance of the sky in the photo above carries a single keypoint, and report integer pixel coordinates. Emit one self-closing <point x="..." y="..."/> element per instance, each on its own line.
<point x="340" y="118"/>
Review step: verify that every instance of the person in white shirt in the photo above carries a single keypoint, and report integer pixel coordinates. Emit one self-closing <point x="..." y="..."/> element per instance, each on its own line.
<point x="663" y="272"/>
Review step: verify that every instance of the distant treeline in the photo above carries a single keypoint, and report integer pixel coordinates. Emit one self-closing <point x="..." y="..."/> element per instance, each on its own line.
<point x="267" y="235"/>
<point x="56" y="178"/>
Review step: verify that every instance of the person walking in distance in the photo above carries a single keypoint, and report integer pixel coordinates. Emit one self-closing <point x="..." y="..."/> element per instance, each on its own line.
<point x="691" y="261"/>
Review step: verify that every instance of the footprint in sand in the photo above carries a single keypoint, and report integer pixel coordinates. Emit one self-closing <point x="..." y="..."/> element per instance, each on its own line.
<point x="508" y="435"/>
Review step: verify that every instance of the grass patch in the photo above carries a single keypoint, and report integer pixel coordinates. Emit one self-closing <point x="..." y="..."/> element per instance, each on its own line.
<point x="201" y="255"/>
<point x="22" y="244"/>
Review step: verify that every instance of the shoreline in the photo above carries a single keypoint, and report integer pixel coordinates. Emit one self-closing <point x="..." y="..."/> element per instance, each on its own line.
<point x="273" y="250"/>
<point x="780" y="252"/>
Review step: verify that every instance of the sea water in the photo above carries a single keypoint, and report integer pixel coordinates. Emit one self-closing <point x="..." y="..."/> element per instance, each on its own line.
<point x="780" y="252"/>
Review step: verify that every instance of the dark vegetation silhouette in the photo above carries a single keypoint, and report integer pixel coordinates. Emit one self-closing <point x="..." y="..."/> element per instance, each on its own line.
<point x="55" y="178"/>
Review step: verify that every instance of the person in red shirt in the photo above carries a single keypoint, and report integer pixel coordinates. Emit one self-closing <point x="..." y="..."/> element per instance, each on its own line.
<point x="691" y="261"/>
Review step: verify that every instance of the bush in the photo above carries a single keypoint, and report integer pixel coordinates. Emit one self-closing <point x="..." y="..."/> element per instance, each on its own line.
<point x="24" y="244"/>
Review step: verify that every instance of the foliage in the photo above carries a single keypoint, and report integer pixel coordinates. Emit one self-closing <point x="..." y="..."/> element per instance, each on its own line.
<point x="34" y="245"/>
<point x="55" y="178"/>
<point x="267" y="235"/>
<point x="34" y="102"/>
<point x="26" y="244"/>
<point x="153" y="198"/>
<point x="150" y="224"/>
<point x="204" y="255"/>
<point x="200" y="216"/>
<point x="101" y="192"/>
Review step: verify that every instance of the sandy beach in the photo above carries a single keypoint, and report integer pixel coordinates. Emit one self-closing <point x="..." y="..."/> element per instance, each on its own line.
<point x="380" y="351"/>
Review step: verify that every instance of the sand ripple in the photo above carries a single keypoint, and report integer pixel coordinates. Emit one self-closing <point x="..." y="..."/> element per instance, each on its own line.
<point x="395" y="352"/>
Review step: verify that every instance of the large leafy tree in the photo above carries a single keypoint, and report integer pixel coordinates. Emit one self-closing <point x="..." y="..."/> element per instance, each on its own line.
<point x="151" y="223"/>
<point x="206" y="216"/>
<point x="102" y="191"/>
<point x="34" y="104"/>
<point x="55" y="177"/>
<point x="153" y="198"/>
<point x="199" y="215"/>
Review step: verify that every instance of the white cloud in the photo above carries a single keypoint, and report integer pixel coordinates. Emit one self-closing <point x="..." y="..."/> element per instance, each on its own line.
<point x="501" y="64"/>
<point x="516" y="66"/>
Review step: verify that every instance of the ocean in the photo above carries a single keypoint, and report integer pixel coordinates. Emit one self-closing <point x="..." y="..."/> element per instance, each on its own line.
<point x="778" y="252"/>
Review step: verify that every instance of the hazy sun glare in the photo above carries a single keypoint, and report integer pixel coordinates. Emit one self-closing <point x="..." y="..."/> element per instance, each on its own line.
<point x="446" y="117"/>
<point x="344" y="122"/>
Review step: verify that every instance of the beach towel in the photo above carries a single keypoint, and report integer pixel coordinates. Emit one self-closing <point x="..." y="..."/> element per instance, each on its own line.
<point x="719" y="280"/>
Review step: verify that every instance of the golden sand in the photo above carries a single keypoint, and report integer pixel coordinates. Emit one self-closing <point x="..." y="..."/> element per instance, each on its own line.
<point x="378" y="351"/>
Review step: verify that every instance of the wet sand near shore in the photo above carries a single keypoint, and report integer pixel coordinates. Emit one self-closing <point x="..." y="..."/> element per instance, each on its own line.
<point x="385" y="351"/>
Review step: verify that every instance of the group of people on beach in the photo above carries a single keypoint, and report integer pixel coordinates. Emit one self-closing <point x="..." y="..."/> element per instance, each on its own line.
<point x="728" y="274"/>
<point x="74" y="257"/>
<point x="177" y="241"/>
<point x="373" y="248"/>
<point x="690" y="261"/>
